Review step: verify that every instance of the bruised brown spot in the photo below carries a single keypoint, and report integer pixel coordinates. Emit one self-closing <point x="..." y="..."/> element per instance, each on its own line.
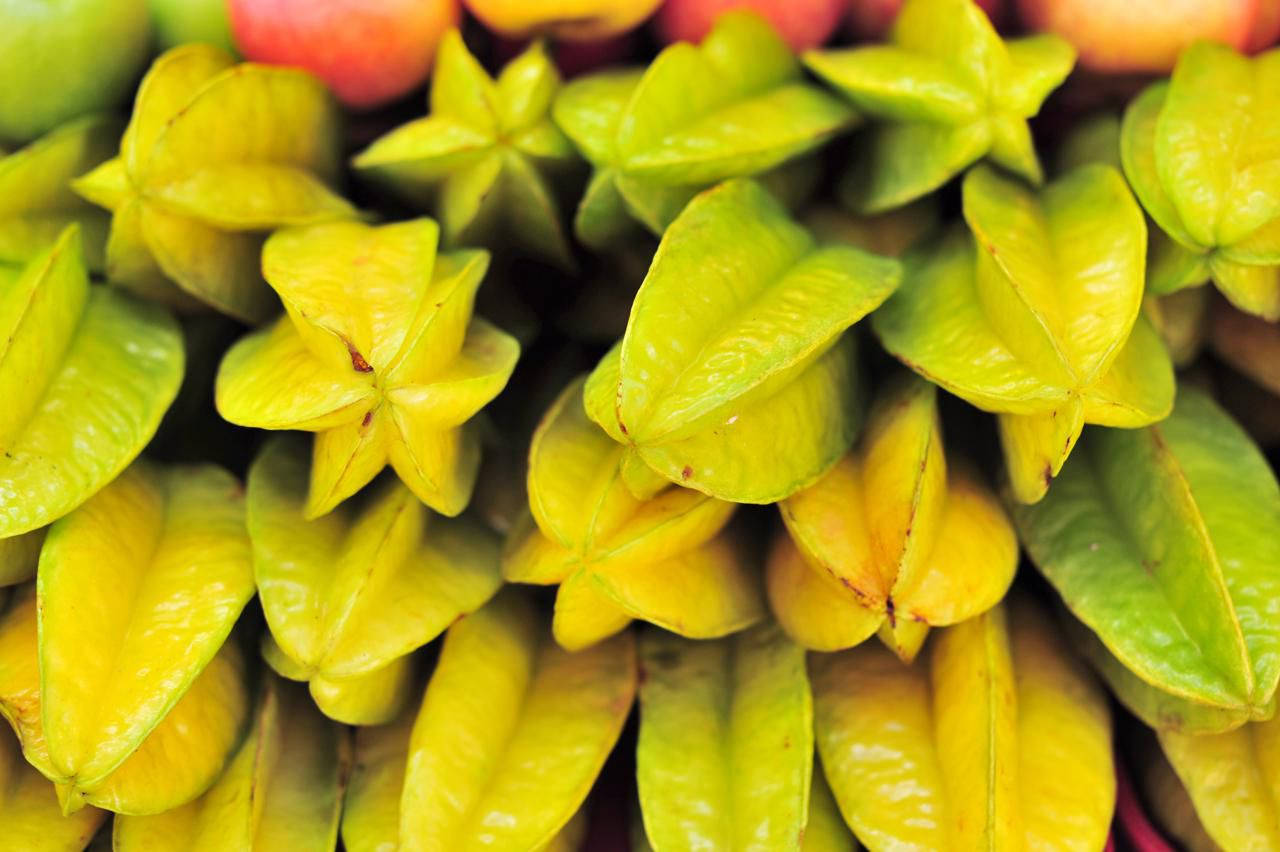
<point x="623" y="427"/>
<point x="786" y="742"/>
<point x="1048" y="475"/>
<point x="368" y="418"/>
<point x="686" y="473"/>
<point x="357" y="360"/>
<point x="889" y="611"/>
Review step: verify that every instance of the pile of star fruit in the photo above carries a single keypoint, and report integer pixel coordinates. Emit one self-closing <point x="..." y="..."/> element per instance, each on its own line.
<point x="725" y="447"/>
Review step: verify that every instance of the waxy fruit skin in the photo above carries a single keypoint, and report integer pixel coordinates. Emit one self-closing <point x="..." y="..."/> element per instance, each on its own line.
<point x="509" y="737"/>
<point x="1000" y="739"/>
<point x="29" y="809"/>
<point x="36" y="200"/>
<point x="378" y="354"/>
<point x="177" y="761"/>
<point x="571" y="20"/>
<point x="700" y="390"/>
<point x="736" y="105"/>
<point x="1200" y="152"/>
<point x="725" y="750"/>
<point x="663" y="557"/>
<point x="942" y="97"/>
<point x="191" y="203"/>
<point x="892" y="540"/>
<point x="86" y="373"/>
<point x="485" y="157"/>
<point x="1036" y="315"/>
<point x="1179" y="522"/>
<point x="1233" y="780"/>
<point x="283" y="789"/>
<point x="349" y="595"/>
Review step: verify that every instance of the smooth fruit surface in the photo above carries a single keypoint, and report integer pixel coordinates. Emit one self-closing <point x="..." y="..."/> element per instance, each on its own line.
<point x="802" y="24"/>
<point x="368" y="51"/>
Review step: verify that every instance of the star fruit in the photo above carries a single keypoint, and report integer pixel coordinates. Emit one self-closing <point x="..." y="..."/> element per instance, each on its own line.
<point x="282" y="790"/>
<point x="86" y="373"/>
<point x="725" y="750"/>
<point x="138" y="697"/>
<point x="1165" y="543"/>
<point x="735" y="105"/>
<point x="350" y="595"/>
<point x="892" y="539"/>
<point x="29" y="809"/>
<point x="665" y="559"/>
<point x="509" y="737"/>
<point x="945" y="93"/>
<point x="1201" y="152"/>
<point x="378" y="354"/>
<point x="216" y="154"/>
<point x="999" y="739"/>
<point x="36" y="199"/>
<point x="1232" y="779"/>
<point x="484" y="159"/>
<point x="701" y="390"/>
<point x="1035" y="315"/>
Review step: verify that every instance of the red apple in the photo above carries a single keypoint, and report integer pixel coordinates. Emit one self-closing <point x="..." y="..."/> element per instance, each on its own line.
<point x="803" y="23"/>
<point x="1121" y="36"/>
<point x="569" y="20"/>
<point x="368" y="51"/>
<point x="870" y="20"/>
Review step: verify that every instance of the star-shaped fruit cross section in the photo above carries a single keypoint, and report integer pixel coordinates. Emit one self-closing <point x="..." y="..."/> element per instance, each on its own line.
<point x="945" y="93"/>
<point x="483" y="158"/>
<point x="378" y="354"/>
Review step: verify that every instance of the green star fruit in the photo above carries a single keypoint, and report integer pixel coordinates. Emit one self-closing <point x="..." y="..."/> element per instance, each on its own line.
<point x="944" y="93"/>
<point x="350" y="595"/>
<point x="1035" y="315"/>
<point x="725" y="755"/>
<point x="378" y="354"/>
<point x="1201" y="152"/>
<point x="1164" y="543"/>
<point x="215" y="156"/>
<point x="86" y="373"/>
<point x="484" y="158"/>
<point x="36" y="199"/>
<point x="666" y="559"/>
<point x="700" y="390"/>
<point x="735" y="105"/>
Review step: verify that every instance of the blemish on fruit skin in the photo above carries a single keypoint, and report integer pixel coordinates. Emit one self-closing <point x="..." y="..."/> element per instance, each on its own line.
<point x="368" y="418"/>
<point x="889" y="611"/>
<point x="686" y="473"/>
<point x="357" y="360"/>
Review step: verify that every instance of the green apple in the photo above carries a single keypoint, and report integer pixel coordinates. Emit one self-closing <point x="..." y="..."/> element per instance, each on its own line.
<point x="63" y="58"/>
<point x="181" y="21"/>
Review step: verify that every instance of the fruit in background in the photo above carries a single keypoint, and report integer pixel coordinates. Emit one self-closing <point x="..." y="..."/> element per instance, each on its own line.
<point x="349" y="596"/>
<point x="378" y="353"/>
<point x="941" y="103"/>
<point x="871" y="20"/>
<point x="368" y="51"/>
<point x="803" y="24"/>
<point x="592" y="530"/>
<point x="485" y="157"/>
<point x="1196" y="150"/>
<point x="1249" y="344"/>
<point x="573" y="20"/>
<point x="191" y="202"/>
<point x="36" y="199"/>
<point x="60" y="60"/>
<point x="1179" y="521"/>
<point x="1001" y="735"/>
<point x="689" y="395"/>
<point x="182" y="21"/>
<point x="892" y="540"/>
<point x="655" y="141"/>
<point x="1119" y="36"/>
